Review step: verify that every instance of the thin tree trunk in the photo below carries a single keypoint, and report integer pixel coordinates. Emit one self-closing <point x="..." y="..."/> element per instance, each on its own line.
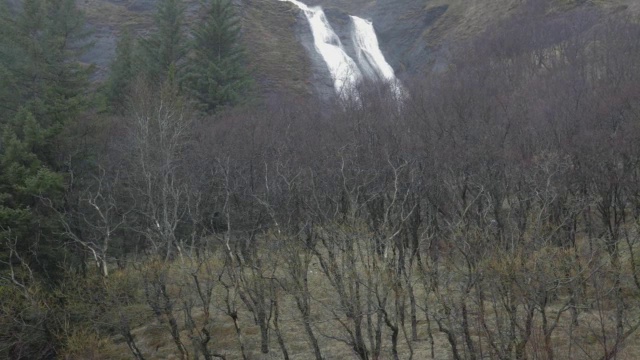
<point x="276" y="326"/>
<point x="414" y="312"/>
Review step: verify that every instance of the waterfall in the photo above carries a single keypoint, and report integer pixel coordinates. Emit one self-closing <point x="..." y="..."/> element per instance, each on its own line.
<point x="344" y="71"/>
<point x="370" y="58"/>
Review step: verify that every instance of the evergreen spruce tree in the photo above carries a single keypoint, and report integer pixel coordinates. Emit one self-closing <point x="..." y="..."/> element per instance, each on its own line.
<point x="122" y="74"/>
<point x="43" y="87"/>
<point x="39" y="49"/>
<point x="216" y="75"/>
<point x="167" y="45"/>
<point x="28" y="226"/>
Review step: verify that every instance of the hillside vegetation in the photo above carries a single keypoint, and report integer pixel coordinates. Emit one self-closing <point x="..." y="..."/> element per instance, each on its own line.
<point x="493" y="213"/>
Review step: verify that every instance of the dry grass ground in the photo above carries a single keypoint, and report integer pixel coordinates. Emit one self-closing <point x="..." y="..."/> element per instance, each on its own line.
<point x="582" y="341"/>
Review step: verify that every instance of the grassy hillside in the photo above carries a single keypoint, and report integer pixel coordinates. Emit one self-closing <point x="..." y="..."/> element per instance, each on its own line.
<point x="277" y="58"/>
<point x="465" y="18"/>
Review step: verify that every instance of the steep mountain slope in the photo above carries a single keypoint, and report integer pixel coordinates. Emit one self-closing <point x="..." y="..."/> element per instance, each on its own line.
<point x="411" y="32"/>
<point x="276" y="54"/>
<point x="413" y="35"/>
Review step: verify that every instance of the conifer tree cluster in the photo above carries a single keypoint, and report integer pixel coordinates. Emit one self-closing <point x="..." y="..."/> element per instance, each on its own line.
<point x="42" y="88"/>
<point x="206" y="58"/>
<point x="215" y="75"/>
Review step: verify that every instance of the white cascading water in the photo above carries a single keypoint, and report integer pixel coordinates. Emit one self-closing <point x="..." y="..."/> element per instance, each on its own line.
<point x="369" y="56"/>
<point x="346" y="74"/>
<point x="344" y="71"/>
